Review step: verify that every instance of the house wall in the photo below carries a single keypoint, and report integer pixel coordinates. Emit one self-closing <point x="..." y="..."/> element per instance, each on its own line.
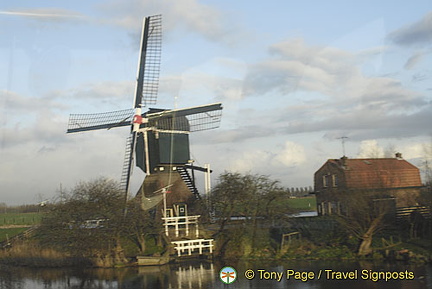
<point x="329" y="181"/>
<point x="406" y="197"/>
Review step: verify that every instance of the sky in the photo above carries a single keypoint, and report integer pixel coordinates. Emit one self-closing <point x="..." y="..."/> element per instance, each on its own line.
<point x="294" y="77"/>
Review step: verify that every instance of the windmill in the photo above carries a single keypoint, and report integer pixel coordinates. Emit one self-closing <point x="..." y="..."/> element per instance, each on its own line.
<point x="159" y="139"/>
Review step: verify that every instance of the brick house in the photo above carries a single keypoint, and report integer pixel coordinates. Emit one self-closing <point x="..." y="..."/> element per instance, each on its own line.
<point x="395" y="178"/>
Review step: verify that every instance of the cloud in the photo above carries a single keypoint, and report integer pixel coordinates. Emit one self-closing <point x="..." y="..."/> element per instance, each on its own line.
<point x="189" y="15"/>
<point x="418" y="33"/>
<point x="15" y="103"/>
<point x="322" y="89"/>
<point x="290" y="155"/>
<point x="40" y="165"/>
<point x="37" y="155"/>
<point x="200" y="83"/>
<point x="44" y="128"/>
<point x="106" y="90"/>
<point x="334" y="73"/>
<point x="414" y="60"/>
<point x="94" y="97"/>
<point x="45" y="14"/>
<point x="366" y="122"/>
<point x="370" y="149"/>
<point x="297" y="66"/>
<point x="418" y="151"/>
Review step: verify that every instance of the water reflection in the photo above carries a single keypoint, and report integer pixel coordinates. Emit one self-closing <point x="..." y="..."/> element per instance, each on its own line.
<point x="204" y="274"/>
<point x="196" y="274"/>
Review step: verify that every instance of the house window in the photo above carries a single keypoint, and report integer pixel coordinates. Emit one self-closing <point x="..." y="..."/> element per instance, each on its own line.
<point x="326" y="181"/>
<point x="335" y="180"/>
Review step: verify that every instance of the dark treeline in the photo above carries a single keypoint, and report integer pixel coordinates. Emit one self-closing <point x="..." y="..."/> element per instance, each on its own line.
<point x="300" y="191"/>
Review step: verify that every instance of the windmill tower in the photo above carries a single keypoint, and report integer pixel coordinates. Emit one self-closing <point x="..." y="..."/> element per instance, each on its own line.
<point x="159" y="139"/>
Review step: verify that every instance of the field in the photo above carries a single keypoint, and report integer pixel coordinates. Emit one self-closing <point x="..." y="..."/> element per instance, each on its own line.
<point x="302" y="204"/>
<point x="10" y="232"/>
<point x="12" y="224"/>
<point x="24" y="219"/>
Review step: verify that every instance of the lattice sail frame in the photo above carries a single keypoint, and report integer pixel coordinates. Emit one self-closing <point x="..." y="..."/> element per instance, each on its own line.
<point x="189" y="120"/>
<point x="149" y="63"/>
<point x="104" y="120"/>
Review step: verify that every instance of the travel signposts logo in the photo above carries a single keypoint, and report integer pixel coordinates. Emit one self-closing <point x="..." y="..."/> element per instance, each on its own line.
<point x="228" y="275"/>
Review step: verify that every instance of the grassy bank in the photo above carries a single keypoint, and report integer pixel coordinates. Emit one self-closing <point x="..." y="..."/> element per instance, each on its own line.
<point x="29" y="253"/>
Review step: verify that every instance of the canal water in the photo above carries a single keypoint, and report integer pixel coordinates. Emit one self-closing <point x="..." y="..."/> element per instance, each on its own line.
<point x="205" y="274"/>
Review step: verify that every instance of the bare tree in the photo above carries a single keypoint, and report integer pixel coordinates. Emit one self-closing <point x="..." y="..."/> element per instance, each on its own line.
<point x="370" y="149"/>
<point x="140" y="225"/>
<point x="244" y="203"/>
<point x="390" y="151"/>
<point x="364" y="215"/>
<point x="3" y="208"/>
<point x="427" y="162"/>
<point x="87" y="222"/>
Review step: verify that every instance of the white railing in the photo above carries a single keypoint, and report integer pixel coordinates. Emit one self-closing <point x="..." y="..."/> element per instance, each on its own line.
<point x="183" y="222"/>
<point x="192" y="245"/>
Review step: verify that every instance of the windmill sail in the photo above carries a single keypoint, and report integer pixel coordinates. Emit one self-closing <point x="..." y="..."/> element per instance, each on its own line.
<point x="127" y="165"/>
<point x="188" y="119"/>
<point x="147" y="81"/>
<point x="149" y="62"/>
<point x="104" y="120"/>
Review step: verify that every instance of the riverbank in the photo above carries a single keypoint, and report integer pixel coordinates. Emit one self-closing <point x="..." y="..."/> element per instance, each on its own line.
<point x="307" y="240"/>
<point x="310" y="238"/>
<point x="404" y="252"/>
<point x="30" y="254"/>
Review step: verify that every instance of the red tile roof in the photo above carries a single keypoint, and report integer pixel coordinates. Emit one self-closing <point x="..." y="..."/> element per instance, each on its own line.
<point x="378" y="173"/>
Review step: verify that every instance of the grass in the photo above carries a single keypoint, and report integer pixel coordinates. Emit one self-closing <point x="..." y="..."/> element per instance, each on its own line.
<point x="302" y="204"/>
<point x="25" y="219"/>
<point x="17" y="219"/>
<point x="9" y="233"/>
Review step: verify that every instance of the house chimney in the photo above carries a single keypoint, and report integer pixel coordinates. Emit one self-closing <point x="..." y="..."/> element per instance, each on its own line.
<point x="343" y="159"/>
<point x="399" y="156"/>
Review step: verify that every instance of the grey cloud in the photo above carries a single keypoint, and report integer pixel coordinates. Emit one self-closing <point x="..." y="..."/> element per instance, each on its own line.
<point x="367" y="124"/>
<point x="421" y="76"/>
<point x="97" y="96"/>
<point x="418" y="33"/>
<point x="14" y="103"/>
<point x="344" y="100"/>
<point x="45" y="149"/>
<point x="238" y="134"/>
<point x="394" y="112"/>
<point x="46" y="129"/>
<point x="414" y="60"/>
<point x="328" y="71"/>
